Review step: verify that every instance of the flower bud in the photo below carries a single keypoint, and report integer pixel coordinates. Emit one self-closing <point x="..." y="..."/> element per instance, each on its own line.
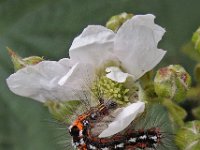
<point x="196" y="39"/>
<point x="20" y="62"/>
<point x="116" y="21"/>
<point x="188" y="137"/>
<point x="172" y="82"/>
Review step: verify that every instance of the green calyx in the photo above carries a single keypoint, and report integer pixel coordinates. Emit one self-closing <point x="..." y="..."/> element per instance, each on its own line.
<point x="62" y="111"/>
<point x="115" y="22"/>
<point x="20" y="62"/>
<point x="176" y="113"/>
<point x="147" y="85"/>
<point x="172" y="82"/>
<point x="108" y="89"/>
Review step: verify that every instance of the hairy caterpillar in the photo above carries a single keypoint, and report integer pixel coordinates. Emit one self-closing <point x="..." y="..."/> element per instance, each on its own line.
<point x="152" y="130"/>
<point x="151" y="136"/>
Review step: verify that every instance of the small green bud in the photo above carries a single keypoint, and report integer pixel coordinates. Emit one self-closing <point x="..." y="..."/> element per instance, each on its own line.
<point x="172" y="82"/>
<point x="196" y="39"/>
<point x="20" y="62"/>
<point x="197" y="73"/>
<point x="115" y="22"/>
<point x="188" y="137"/>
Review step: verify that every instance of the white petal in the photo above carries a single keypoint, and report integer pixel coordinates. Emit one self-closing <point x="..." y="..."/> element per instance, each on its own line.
<point x="79" y="77"/>
<point x="136" y="45"/>
<point x="122" y="121"/>
<point x="115" y="74"/>
<point x="64" y="79"/>
<point x="148" y="21"/>
<point x="40" y="81"/>
<point x="94" y="45"/>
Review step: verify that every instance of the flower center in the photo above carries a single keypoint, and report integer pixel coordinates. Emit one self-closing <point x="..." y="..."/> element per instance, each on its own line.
<point x="108" y="89"/>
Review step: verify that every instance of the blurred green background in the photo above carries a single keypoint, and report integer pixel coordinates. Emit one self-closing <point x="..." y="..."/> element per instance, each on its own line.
<point x="47" y="28"/>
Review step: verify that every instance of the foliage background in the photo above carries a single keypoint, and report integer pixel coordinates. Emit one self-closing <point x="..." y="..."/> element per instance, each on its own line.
<point x="47" y="28"/>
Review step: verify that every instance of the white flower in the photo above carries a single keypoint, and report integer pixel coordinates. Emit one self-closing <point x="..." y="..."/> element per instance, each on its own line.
<point x="133" y="49"/>
<point x="134" y="46"/>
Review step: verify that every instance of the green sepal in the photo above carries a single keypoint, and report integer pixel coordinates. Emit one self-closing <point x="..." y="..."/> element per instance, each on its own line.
<point x="146" y="79"/>
<point x="188" y="137"/>
<point x="62" y="111"/>
<point x="149" y="94"/>
<point x="177" y="113"/>
<point x="148" y="90"/>
<point x="19" y="62"/>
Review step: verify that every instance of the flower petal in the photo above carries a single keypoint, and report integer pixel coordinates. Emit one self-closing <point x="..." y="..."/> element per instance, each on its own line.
<point x="79" y="77"/>
<point x="40" y="81"/>
<point x="115" y="74"/>
<point x="122" y="121"/>
<point x="64" y="79"/>
<point x="94" y="45"/>
<point x="148" y="21"/>
<point x="136" y="44"/>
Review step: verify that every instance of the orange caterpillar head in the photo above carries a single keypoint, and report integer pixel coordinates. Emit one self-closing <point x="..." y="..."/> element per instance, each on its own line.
<point x="77" y="127"/>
